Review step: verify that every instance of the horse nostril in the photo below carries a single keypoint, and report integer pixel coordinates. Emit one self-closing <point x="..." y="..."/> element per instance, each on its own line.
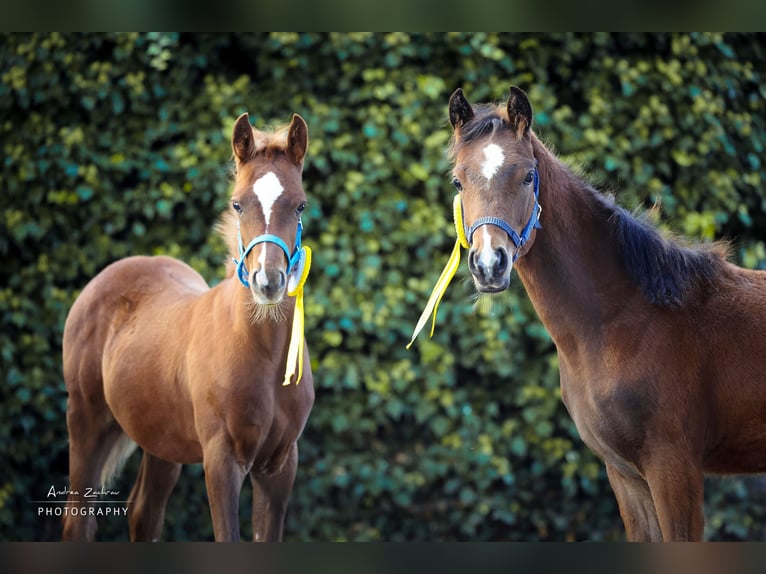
<point x="270" y="284"/>
<point x="472" y="261"/>
<point x="275" y="284"/>
<point x="502" y="260"/>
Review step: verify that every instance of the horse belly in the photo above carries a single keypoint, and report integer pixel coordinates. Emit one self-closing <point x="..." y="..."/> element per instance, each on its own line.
<point x="151" y="405"/>
<point x="738" y="457"/>
<point x="736" y="376"/>
<point x="738" y="444"/>
<point x="142" y="362"/>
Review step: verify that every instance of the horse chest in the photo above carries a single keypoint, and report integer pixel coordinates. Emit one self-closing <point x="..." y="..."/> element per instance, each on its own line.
<point x="284" y="412"/>
<point x="261" y="422"/>
<point x="611" y="416"/>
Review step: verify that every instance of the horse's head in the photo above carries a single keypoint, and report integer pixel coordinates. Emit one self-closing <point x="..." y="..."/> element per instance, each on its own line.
<point x="495" y="173"/>
<point x="266" y="204"/>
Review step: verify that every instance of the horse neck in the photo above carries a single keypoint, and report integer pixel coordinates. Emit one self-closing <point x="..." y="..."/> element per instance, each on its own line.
<point x="571" y="273"/>
<point x="233" y="305"/>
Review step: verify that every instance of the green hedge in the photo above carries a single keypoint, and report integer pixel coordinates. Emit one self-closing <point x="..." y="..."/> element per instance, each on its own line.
<point x="118" y="144"/>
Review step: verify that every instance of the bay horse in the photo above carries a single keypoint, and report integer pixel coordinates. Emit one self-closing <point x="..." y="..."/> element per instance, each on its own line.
<point x="661" y="344"/>
<point x="154" y="357"/>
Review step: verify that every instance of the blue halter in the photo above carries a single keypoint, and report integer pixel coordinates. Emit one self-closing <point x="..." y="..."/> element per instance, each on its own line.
<point x="292" y="260"/>
<point x="518" y="239"/>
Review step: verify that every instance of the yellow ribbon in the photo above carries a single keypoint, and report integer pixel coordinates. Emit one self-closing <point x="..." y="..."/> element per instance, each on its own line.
<point x="295" y="350"/>
<point x="447" y="273"/>
<point x="457" y="217"/>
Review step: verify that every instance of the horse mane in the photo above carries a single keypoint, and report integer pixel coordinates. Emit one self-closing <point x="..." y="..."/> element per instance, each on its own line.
<point x="226" y="228"/>
<point x="275" y="139"/>
<point x="668" y="271"/>
<point x="487" y="118"/>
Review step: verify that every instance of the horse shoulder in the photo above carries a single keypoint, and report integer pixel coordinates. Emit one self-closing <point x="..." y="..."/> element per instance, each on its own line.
<point x="618" y="390"/>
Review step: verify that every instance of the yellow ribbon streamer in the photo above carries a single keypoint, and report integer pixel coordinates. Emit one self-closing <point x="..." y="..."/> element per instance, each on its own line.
<point x="438" y="292"/>
<point x="447" y="273"/>
<point x="295" y="350"/>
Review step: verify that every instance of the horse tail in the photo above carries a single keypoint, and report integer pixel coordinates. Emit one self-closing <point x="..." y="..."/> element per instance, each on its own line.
<point x="115" y="460"/>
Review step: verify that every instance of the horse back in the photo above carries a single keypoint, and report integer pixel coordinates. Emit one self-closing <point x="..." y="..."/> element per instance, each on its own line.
<point x="129" y="295"/>
<point x="696" y="374"/>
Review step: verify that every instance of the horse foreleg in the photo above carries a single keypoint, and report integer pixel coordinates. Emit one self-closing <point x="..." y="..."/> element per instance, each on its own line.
<point x="223" y="478"/>
<point x="637" y="510"/>
<point x="677" y="487"/>
<point x="270" y="497"/>
<point x="154" y="484"/>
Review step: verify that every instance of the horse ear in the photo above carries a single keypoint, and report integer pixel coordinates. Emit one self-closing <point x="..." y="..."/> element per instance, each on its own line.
<point x="297" y="139"/>
<point x="519" y="112"/>
<point x="460" y="110"/>
<point x="242" y="138"/>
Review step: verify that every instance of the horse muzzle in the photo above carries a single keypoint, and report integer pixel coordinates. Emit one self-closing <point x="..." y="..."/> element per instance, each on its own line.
<point x="491" y="270"/>
<point x="268" y="286"/>
<point x="268" y="282"/>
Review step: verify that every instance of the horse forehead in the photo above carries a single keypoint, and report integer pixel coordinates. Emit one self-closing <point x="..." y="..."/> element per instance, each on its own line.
<point x="268" y="187"/>
<point x="488" y="158"/>
<point x="492" y="159"/>
<point x="485" y="157"/>
<point x="267" y="190"/>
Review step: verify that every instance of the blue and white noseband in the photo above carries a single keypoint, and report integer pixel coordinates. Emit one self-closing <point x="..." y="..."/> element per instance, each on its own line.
<point x="298" y="263"/>
<point x="465" y="241"/>
<point x="292" y="260"/>
<point x="519" y="239"/>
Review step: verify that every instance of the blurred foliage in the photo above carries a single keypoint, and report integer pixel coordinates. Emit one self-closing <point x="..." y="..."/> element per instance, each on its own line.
<point x="118" y="144"/>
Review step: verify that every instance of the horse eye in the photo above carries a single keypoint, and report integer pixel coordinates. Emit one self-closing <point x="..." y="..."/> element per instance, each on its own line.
<point x="457" y="184"/>
<point x="529" y="178"/>
<point x="300" y="209"/>
<point x="236" y="206"/>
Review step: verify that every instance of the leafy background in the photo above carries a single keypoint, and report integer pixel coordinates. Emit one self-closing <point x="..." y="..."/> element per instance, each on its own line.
<point x="118" y="144"/>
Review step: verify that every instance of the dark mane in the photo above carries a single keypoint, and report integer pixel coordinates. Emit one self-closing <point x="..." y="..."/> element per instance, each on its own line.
<point x="487" y="119"/>
<point x="667" y="272"/>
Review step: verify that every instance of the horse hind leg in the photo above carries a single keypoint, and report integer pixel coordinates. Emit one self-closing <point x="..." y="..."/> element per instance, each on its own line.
<point x="149" y="497"/>
<point x="636" y="505"/>
<point x="97" y="451"/>
<point x="270" y="497"/>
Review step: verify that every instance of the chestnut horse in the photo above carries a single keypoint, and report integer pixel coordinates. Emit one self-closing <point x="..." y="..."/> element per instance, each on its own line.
<point x="661" y="346"/>
<point x="154" y="358"/>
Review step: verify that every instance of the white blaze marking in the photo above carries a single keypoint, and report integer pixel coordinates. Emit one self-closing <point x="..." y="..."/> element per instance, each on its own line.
<point x="493" y="159"/>
<point x="267" y="189"/>
<point x="487" y="255"/>
<point x="258" y="275"/>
